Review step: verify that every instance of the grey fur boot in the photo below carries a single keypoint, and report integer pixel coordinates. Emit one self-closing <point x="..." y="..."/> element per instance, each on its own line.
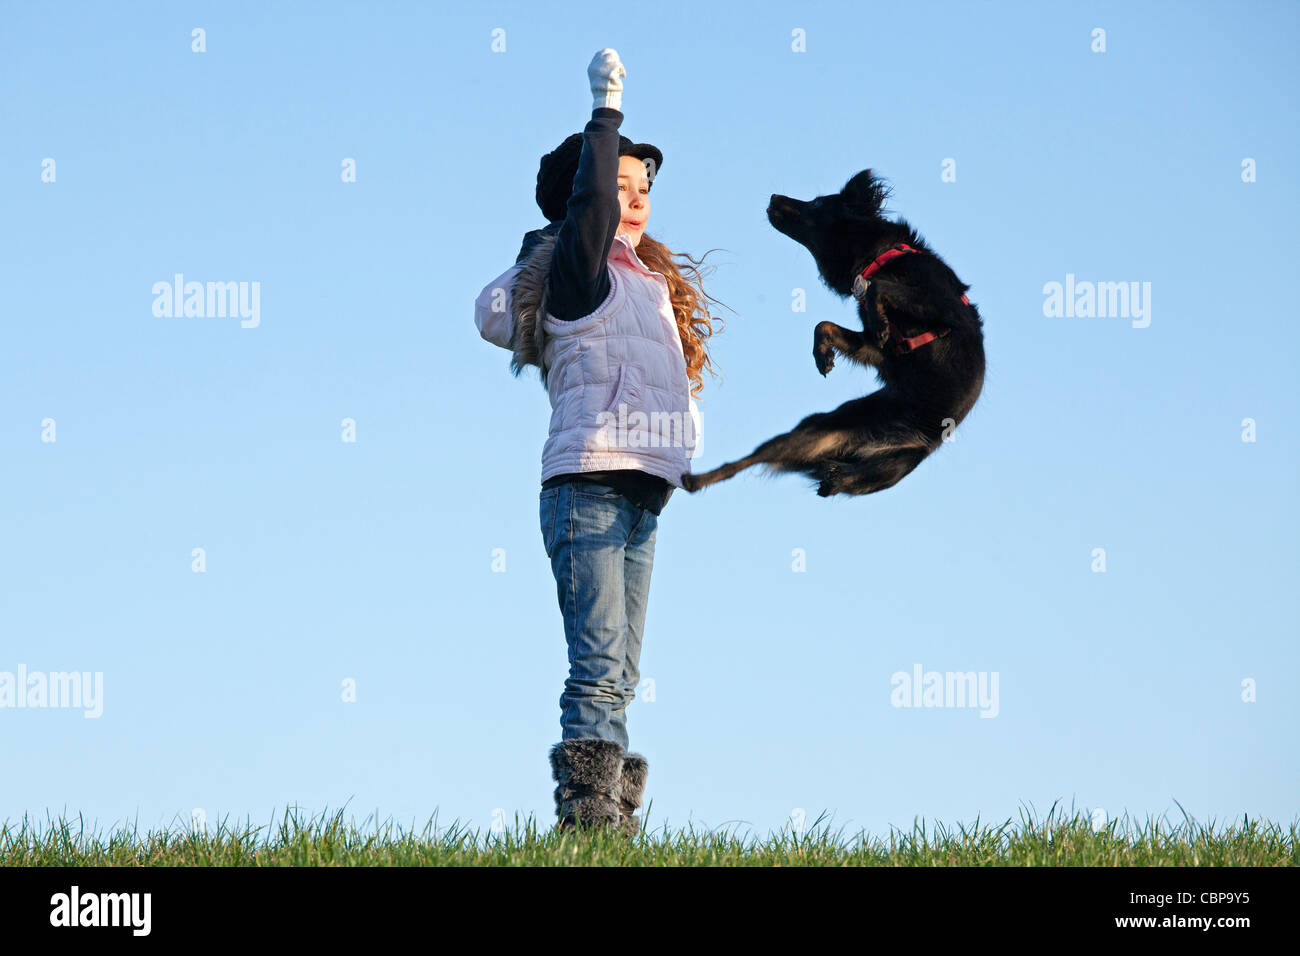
<point x="631" y="786"/>
<point x="587" y="771"/>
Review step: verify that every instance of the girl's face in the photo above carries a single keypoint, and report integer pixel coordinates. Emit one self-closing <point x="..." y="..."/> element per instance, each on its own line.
<point x="633" y="197"/>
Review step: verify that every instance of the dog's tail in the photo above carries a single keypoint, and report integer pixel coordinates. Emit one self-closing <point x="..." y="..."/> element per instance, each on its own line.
<point x="826" y="451"/>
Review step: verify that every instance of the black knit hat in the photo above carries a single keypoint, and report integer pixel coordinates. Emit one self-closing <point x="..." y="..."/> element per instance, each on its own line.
<point x="558" y="167"/>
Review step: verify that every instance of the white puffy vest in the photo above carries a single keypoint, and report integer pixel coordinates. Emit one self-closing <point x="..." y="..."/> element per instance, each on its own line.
<point x="620" y="397"/>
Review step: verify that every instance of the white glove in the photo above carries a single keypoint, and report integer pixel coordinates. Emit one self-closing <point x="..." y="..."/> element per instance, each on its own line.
<point x="605" y="71"/>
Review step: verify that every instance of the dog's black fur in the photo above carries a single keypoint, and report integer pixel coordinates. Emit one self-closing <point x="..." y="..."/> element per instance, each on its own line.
<point x="871" y="443"/>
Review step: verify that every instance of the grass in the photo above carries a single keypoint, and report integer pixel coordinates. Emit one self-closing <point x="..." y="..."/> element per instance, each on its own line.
<point x="1057" y="840"/>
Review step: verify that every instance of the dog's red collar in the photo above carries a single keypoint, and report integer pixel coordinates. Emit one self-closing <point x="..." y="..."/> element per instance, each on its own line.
<point x="862" y="282"/>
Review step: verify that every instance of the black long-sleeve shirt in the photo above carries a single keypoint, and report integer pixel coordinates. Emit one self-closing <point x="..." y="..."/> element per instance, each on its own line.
<point x="579" y="280"/>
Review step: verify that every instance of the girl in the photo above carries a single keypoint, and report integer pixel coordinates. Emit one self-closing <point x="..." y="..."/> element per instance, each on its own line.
<point x="618" y="334"/>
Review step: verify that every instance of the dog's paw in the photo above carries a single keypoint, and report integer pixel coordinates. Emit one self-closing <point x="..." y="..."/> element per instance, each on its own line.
<point x="690" y="483"/>
<point x="831" y="483"/>
<point x="823" y="350"/>
<point x="824" y="356"/>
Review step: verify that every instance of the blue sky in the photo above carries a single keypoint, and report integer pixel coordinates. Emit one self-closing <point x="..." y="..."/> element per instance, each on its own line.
<point x="372" y="561"/>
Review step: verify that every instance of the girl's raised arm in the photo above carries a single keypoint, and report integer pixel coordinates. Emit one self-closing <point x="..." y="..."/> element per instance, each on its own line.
<point x="579" y="282"/>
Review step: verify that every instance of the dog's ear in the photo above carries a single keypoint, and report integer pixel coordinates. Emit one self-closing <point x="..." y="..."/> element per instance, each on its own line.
<point x="865" y="193"/>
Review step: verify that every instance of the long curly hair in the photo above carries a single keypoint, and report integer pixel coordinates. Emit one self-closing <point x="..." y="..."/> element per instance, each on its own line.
<point x="695" y="323"/>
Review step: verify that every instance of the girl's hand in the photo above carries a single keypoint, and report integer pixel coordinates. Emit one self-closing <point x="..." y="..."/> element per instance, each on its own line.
<point x="605" y="72"/>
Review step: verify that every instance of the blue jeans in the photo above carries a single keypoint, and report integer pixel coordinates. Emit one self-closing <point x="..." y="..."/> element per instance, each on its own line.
<point x="602" y="549"/>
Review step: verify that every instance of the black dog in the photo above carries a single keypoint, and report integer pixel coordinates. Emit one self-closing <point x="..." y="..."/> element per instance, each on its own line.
<point x="921" y="335"/>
